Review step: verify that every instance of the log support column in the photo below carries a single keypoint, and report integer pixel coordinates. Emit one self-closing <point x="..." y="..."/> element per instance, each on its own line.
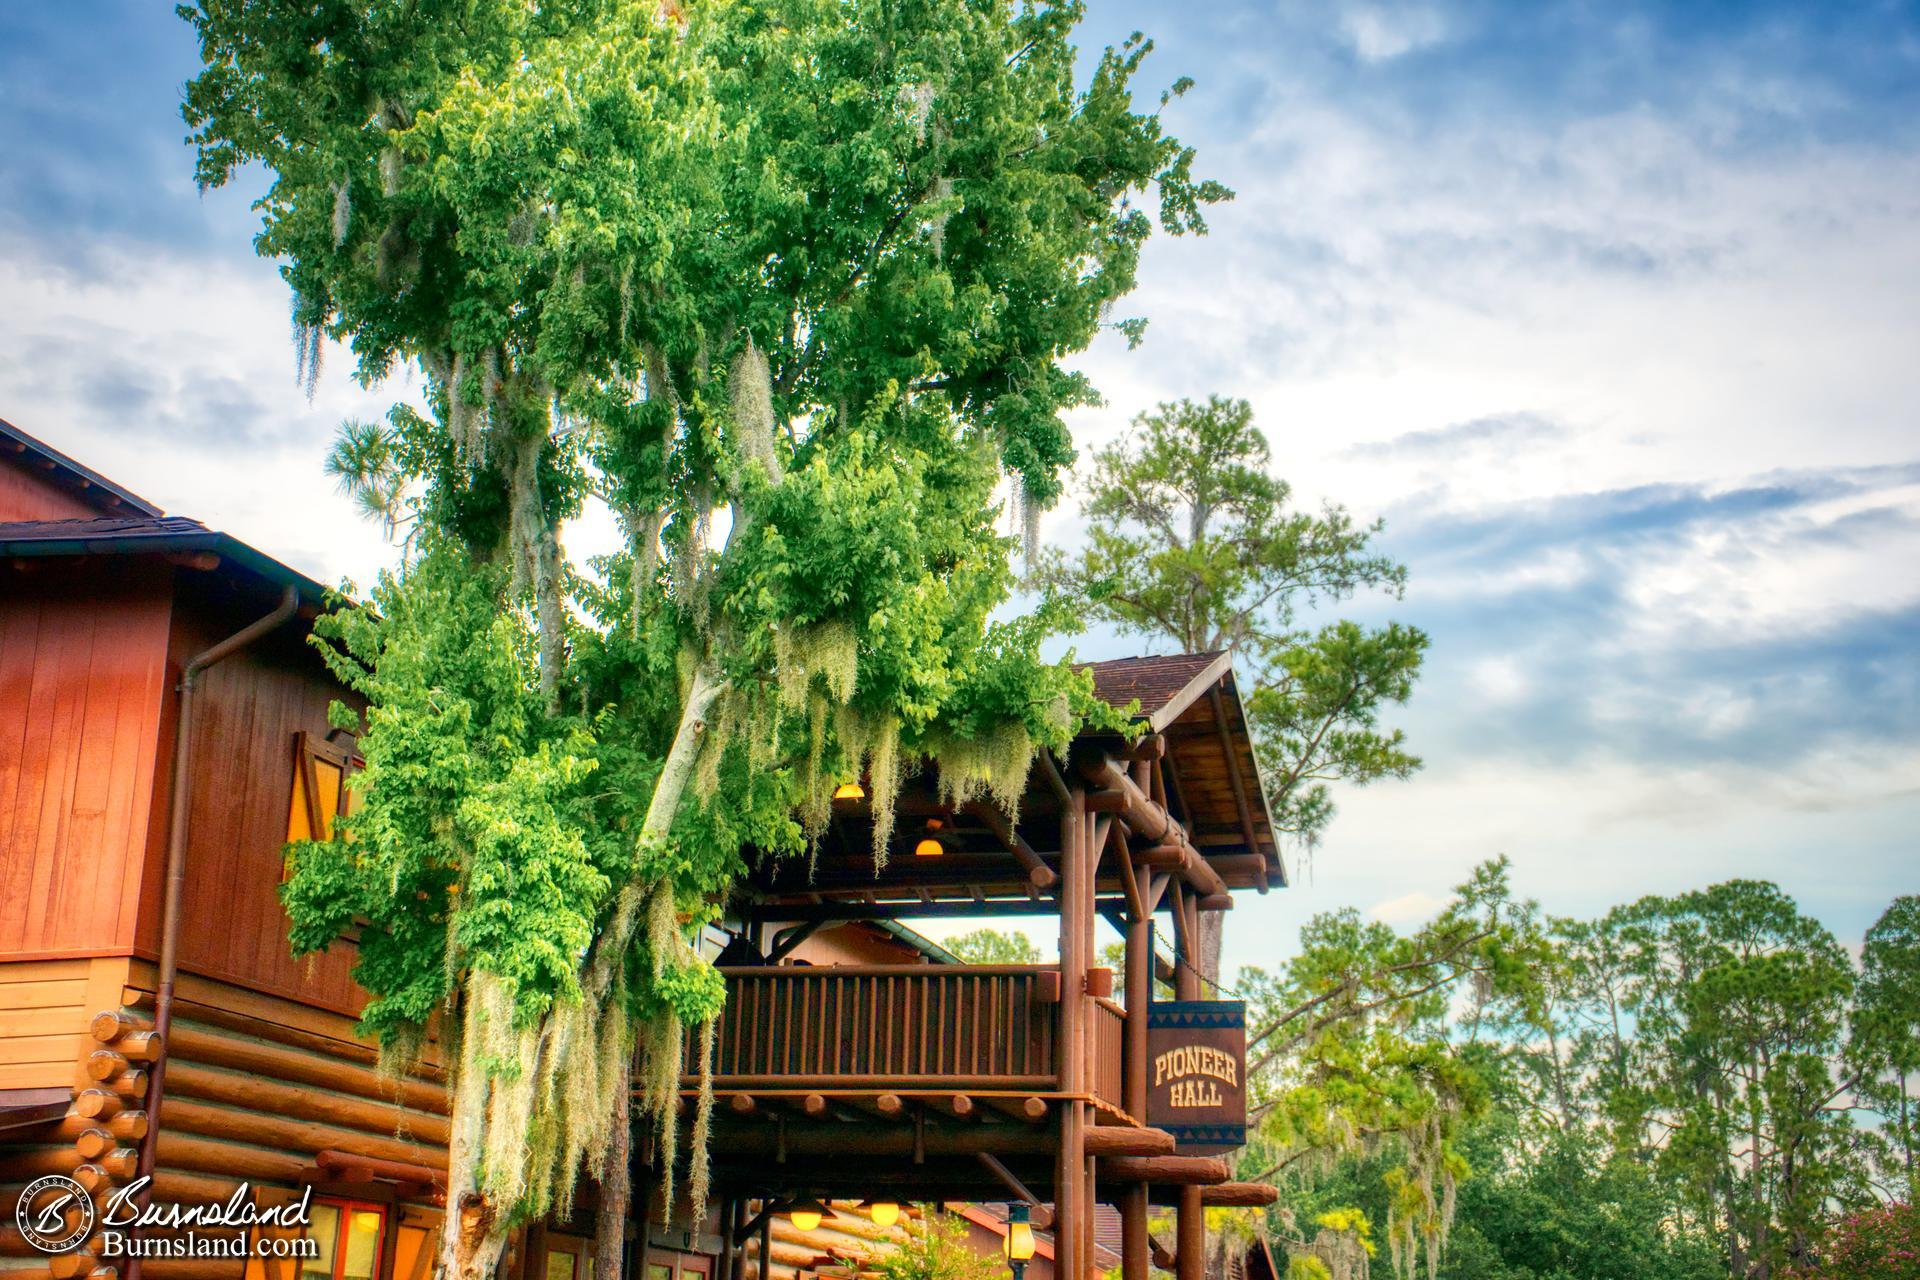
<point x="1190" y="1230"/>
<point x="1135" y="1256"/>
<point x="1135" y="1252"/>
<point x="1073" y="1212"/>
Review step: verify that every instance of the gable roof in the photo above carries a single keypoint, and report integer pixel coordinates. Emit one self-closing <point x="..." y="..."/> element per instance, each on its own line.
<point x="147" y="535"/>
<point x="84" y="482"/>
<point x="1163" y="684"/>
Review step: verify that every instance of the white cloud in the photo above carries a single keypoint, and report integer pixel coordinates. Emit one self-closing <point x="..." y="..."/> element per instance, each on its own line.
<point x="115" y="370"/>
<point x="1500" y="679"/>
<point x="1408" y="908"/>
<point x="1378" y="33"/>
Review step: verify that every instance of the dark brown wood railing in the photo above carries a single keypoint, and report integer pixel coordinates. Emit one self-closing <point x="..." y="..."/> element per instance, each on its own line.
<point x="1106" y="1040"/>
<point x="889" y="1026"/>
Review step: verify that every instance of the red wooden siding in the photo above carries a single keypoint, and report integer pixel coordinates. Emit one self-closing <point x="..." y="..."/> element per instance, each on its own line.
<point x="81" y="672"/>
<point x="24" y="496"/>
<point x="248" y="712"/>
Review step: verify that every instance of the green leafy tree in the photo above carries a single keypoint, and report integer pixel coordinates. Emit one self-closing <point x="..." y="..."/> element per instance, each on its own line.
<point x="1357" y="1050"/>
<point x="993" y="946"/>
<point x="789" y="285"/>
<point x="1739" y="1004"/>
<point x="1191" y="541"/>
<point x="1567" y="1208"/>
<point x="1884" y="1042"/>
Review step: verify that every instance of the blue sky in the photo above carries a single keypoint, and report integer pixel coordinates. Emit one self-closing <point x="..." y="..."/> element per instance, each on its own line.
<point x="1611" y="311"/>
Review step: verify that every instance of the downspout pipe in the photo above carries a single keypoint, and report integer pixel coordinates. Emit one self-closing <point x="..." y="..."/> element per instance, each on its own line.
<point x="177" y="806"/>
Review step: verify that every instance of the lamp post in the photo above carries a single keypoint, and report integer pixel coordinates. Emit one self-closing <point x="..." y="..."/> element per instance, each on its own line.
<point x="1019" y="1241"/>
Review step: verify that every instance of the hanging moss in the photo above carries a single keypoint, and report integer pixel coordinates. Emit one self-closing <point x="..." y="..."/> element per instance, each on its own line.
<point x="994" y="765"/>
<point x="750" y="388"/>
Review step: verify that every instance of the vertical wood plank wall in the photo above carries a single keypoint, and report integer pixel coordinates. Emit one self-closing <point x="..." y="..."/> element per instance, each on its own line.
<point x="82" y="670"/>
<point x="247" y="712"/>
<point x="24" y="496"/>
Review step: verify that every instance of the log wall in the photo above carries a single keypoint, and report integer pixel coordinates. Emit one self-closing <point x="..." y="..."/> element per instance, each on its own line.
<point x="257" y="1089"/>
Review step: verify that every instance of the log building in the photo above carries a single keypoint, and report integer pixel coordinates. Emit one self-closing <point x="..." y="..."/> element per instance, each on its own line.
<point x="163" y="734"/>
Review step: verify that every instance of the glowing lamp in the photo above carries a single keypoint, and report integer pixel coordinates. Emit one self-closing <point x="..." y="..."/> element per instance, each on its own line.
<point x="883" y="1212"/>
<point x="929" y="848"/>
<point x="806" y="1213"/>
<point x="1019" y="1241"/>
<point x="849" y="791"/>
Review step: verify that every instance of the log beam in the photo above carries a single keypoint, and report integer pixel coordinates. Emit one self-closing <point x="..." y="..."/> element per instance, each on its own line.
<point x="1039" y="874"/>
<point x="1184" y="1171"/>
<point x="1128" y="1140"/>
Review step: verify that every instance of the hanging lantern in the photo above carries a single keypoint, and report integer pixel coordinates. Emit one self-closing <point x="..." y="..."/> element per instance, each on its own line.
<point x="883" y="1212"/>
<point x="928" y="848"/>
<point x="849" y="791"/>
<point x="805" y="1212"/>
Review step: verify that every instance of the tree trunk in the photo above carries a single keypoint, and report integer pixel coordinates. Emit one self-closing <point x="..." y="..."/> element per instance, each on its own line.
<point x="470" y="1240"/>
<point x="1207" y="945"/>
<point x="610" y="1230"/>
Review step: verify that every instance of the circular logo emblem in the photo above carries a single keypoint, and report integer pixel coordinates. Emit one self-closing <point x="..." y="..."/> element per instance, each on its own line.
<point x="54" y="1213"/>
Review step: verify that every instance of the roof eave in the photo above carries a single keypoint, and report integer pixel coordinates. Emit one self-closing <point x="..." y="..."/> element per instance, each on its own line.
<point x="223" y="545"/>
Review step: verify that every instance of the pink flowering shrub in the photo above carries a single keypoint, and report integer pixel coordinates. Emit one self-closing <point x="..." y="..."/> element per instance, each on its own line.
<point x="1871" y="1244"/>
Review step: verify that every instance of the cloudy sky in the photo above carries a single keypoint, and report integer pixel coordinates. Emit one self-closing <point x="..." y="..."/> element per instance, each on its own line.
<point x="1611" y="311"/>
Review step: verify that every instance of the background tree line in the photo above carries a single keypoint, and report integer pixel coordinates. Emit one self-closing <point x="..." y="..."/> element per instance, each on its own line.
<point x="1699" y="1085"/>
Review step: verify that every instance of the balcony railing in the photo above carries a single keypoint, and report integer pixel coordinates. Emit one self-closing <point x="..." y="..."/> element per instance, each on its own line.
<point x="1107" y="1023"/>
<point x="893" y="1027"/>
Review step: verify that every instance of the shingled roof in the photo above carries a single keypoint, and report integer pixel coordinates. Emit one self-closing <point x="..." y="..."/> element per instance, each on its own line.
<point x="103" y="528"/>
<point x="1163" y="684"/>
<point x="146" y="535"/>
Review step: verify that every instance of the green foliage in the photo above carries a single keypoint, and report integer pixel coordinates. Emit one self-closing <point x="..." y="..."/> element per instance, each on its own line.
<point x="477" y="846"/>
<point x="1191" y="540"/>
<point x="1685" y="1087"/>
<point x="936" y="1248"/>
<point x="792" y="286"/>
<point x="1884" y="1043"/>
<point x="1568" y="1209"/>
<point x="1739" y="1002"/>
<point x="992" y="946"/>
<point x="1355" y="1052"/>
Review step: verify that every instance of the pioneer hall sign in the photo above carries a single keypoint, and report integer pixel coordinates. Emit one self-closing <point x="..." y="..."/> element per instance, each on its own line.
<point x="1196" y="1082"/>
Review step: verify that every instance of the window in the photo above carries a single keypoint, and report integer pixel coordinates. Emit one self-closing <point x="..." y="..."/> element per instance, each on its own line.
<point x="320" y="769"/>
<point x="350" y="1235"/>
<point x="568" y="1258"/>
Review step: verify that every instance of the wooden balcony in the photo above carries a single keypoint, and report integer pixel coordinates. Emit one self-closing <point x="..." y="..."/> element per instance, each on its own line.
<point x="903" y="1028"/>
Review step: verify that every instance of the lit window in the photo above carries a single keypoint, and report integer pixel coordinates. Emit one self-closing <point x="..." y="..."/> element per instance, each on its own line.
<point x="320" y="770"/>
<point x="348" y="1236"/>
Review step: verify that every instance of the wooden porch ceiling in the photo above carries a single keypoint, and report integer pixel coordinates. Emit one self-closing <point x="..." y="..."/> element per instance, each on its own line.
<point x="1201" y="767"/>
